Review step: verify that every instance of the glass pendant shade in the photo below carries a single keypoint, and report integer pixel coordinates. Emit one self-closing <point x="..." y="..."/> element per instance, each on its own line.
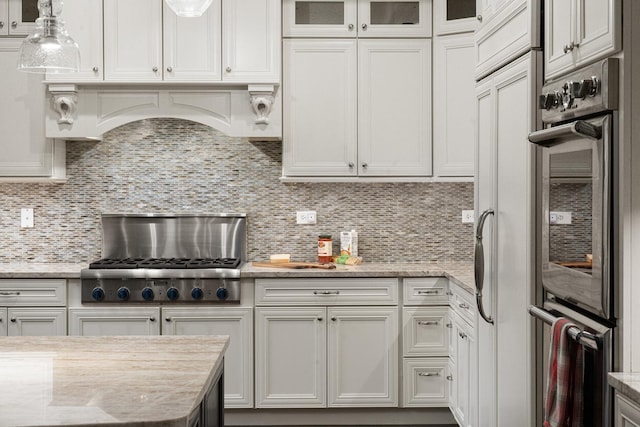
<point x="49" y="48"/>
<point x="189" y="8"/>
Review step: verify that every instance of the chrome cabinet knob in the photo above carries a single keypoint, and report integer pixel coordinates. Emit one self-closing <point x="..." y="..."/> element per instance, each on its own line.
<point x="152" y="319"/>
<point x="169" y="69"/>
<point x="1" y="24"/>
<point x="95" y="69"/>
<point x="167" y="319"/>
<point x="155" y="69"/>
<point x="479" y="18"/>
<point x="450" y="377"/>
<point x="350" y="27"/>
<point x="351" y="165"/>
<point x="228" y="69"/>
<point x="334" y="318"/>
<point x="14" y="24"/>
<point x="364" y="165"/>
<point x="319" y="319"/>
<point x="364" y="27"/>
<point x="569" y="47"/>
<point x="14" y="320"/>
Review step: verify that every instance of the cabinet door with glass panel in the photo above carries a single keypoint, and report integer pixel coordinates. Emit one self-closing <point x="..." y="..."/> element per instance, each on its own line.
<point x="454" y="16"/>
<point x="17" y="17"/>
<point x="357" y="18"/>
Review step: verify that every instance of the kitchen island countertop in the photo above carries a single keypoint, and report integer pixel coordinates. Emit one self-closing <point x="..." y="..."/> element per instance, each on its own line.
<point x="128" y="381"/>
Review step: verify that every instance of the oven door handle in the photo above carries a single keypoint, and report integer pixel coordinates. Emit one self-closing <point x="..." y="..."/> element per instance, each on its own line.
<point x="555" y="135"/>
<point x="478" y="258"/>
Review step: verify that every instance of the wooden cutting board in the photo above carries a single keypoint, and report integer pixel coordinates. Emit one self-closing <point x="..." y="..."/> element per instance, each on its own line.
<point x="293" y="265"/>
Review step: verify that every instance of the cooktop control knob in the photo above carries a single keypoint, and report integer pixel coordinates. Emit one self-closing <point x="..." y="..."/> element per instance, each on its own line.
<point x="97" y="294"/>
<point x="123" y="293"/>
<point x="222" y="293"/>
<point x="197" y="293"/>
<point x="173" y="294"/>
<point x="147" y="294"/>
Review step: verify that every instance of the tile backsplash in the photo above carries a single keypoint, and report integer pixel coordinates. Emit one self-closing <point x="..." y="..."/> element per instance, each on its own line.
<point x="177" y="166"/>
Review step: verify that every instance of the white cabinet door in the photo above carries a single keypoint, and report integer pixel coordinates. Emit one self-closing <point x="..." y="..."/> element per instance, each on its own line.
<point x="251" y="40"/>
<point x="627" y="413"/>
<point x="394" y="18"/>
<point x="192" y="46"/>
<point x="453" y="105"/>
<point x="133" y="40"/>
<point x="22" y="15"/>
<point x="291" y="357"/>
<point x="114" y="321"/>
<point x="320" y="107"/>
<point x="4" y="18"/>
<point x="394" y="107"/>
<point x="238" y="359"/>
<point x="425" y="382"/>
<point x="505" y="116"/>
<point x="37" y="321"/>
<point x="313" y="18"/>
<point x="454" y="16"/>
<point x="362" y="356"/>
<point x="83" y="22"/>
<point x="425" y="331"/>
<point x="508" y="29"/>
<point x="464" y="409"/>
<point x="3" y="322"/>
<point x="580" y="32"/>
<point x="25" y="150"/>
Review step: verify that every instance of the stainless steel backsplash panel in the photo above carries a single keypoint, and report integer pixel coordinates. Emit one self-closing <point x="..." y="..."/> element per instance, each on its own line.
<point x="174" y="236"/>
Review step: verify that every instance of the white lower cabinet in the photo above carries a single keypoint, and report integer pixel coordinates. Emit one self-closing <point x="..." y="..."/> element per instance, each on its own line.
<point x="28" y="321"/>
<point x="426" y="381"/>
<point x="33" y="307"/>
<point x="322" y="353"/>
<point x="236" y="322"/>
<point x="463" y="373"/>
<point x="627" y="413"/>
<point x="316" y="356"/>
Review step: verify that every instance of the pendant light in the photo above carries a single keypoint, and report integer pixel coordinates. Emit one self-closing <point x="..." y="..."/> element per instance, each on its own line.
<point x="189" y="8"/>
<point x="49" y="47"/>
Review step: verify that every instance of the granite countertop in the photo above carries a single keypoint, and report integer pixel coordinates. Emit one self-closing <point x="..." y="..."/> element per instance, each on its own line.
<point x="80" y="381"/>
<point x="627" y="384"/>
<point x="460" y="273"/>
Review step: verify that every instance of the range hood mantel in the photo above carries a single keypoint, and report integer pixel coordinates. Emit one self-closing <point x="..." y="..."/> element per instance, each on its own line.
<point x="86" y="112"/>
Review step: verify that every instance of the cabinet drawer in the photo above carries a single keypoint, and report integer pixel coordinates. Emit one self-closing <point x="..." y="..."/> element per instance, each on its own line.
<point x="426" y="331"/>
<point x="426" y="382"/>
<point x="463" y="303"/>
<point x="24" y="292"/>
<point x="378" y="291"/>
<point x="426" y="291"/>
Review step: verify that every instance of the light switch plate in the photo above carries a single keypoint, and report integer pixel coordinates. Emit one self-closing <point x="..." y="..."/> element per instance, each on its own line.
<point x="26" y="217"/>
<point x="305" y="217"/>
<point x="468" y="216"/>
<point x="560" y="218"/>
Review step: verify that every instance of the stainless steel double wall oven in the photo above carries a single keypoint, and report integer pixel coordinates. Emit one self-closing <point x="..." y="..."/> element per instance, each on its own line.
<point x="576" y="223"/>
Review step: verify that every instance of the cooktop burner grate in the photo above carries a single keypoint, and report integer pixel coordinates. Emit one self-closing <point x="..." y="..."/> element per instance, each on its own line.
<point x="168" y="263"/>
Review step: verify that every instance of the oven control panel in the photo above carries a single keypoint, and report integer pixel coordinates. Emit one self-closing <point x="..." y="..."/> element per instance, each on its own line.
<point x="585" y="91"/>
<point x="192" y="290"/>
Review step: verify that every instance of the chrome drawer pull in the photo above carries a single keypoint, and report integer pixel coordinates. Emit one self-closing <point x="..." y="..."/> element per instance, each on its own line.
<point x="429" y="292"/>
<point x="8" y="294"/>
<point x="14" y="320"/>
<point x="462" y="335"/>
<point x="326" y="292"/>
<point x="449" y="325"/>
<point x="463" y="305"/>
<point x="428" y="374"/>
<point x="428" y="322"/>
<point x="449" y="293"/>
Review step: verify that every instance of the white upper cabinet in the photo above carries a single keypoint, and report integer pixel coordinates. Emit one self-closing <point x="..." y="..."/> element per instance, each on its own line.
<point x="357" y="18"/>
<point x="133" y="40"/>
<point x="578" y="32"/>
<point x="453" y="111"/>
<point x="508" y="28"/>
<point x="394" y="126"/>
<point x="144" y="42"/>
<point x="83" y="22"/>
<point x="17" y="17"/>
<point x="454" y="16"/>
<point x="251" y="40"/>
<point x="25" y="150"/>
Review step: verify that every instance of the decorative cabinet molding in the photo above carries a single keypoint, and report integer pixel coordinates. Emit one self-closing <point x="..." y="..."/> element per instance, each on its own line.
<point x="100" y="109"/>
<point x="262" y="100"/>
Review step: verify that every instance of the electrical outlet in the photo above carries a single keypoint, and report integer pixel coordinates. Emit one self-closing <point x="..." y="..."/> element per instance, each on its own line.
<point x="305" y="217"/>
<point x="560" y="218"/>
<point x="26" y="217"/>
<point x="468" y="216"/>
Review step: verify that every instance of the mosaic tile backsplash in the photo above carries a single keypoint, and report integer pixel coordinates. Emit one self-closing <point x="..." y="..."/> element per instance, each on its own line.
<point x="177" y="166"/>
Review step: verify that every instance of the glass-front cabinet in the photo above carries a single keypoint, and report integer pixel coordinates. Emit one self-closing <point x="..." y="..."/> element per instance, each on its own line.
<point x="17" y="17"/>
<point x="356" y="18"/>
<point x="454" y="16"/>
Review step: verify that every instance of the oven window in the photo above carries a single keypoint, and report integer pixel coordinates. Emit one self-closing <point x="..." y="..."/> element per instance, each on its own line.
<point x="571" y="209"/>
